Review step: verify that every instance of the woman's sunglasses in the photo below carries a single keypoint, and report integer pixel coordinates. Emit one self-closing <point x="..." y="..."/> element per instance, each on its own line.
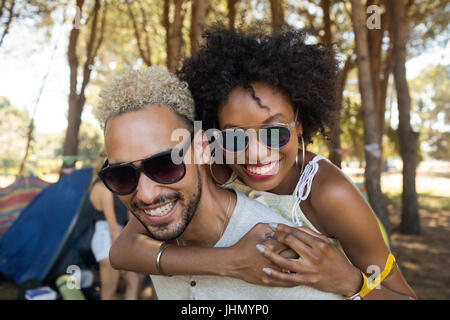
<point x="274" y="136"/>
<point x="123" y="178"/>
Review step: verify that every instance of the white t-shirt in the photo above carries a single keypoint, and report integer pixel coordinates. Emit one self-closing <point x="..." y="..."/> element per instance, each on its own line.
<point x="246" y="214"/>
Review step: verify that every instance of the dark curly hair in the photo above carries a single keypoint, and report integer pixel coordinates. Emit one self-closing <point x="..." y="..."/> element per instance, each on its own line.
<point x="306" y="74"/>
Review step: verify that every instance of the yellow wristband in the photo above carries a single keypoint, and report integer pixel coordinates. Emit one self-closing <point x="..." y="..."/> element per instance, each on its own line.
<point x="367" y="286"/>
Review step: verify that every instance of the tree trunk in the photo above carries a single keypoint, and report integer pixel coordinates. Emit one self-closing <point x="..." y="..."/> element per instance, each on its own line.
<point x="379" y="87"/>
<point x="198" y="17"/>
<point x="27" y="148"/>
<point x="174" y="35"/>
<point x="70" y="149"/>
<point x="277" y="15"/>
<point x="410" y="223"/>
<point x="380" y="69"/>
<point x="231" y="13"/>
<point x="166" y="24"/>
<point x="77" y="99"/>
<point x="334" y="145"/>
<point x="374" y="40"/>
<point x="326" y="22"/>
<point x="141" y="35"/>
<point x="371" y="130"/>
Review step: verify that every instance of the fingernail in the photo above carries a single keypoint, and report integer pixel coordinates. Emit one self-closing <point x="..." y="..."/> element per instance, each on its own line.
<point x="273" y="225"/>
<point x="260" y="248"/>
<point x="267" y="271"/>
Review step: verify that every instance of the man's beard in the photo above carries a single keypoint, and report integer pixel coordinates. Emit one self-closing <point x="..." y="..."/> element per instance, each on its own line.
<point x="166" y="232"/>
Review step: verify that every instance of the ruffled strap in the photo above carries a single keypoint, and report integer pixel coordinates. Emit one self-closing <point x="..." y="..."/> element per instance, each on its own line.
<point x="303" y="188"/>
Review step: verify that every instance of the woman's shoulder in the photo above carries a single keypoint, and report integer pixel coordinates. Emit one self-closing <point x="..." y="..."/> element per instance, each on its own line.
<point x="98" y="187"/>
<point x="334" y="197"/>
<point x="99" y="191"/>
<point x="329" y="183"/>
<point x="329" y="177"/>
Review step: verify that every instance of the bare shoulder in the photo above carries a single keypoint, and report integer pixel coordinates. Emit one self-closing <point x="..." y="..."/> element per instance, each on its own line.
<point x="337" y="202"/>
<point x="331" y="181"/>
<point x="98" y="193"/>
<point x="99" y="187"/>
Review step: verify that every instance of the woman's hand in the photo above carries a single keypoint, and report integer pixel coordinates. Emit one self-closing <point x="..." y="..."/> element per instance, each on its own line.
<point x="320" y="264"/>
<point x="246" y="262"/>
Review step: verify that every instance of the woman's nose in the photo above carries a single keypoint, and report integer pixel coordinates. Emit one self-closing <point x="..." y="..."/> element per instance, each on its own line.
<point x="257" y="150"/>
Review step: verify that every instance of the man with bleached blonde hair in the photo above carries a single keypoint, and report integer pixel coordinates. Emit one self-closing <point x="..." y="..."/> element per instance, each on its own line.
<point x="178" y="204"/>
<point x="136" y="89"/>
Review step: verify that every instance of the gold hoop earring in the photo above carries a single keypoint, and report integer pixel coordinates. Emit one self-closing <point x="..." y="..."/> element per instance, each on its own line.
<point x="212" y="174"/>
<point x="303" y="156"/>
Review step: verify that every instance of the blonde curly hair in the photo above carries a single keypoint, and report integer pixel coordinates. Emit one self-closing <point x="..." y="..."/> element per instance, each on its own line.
<point x="134" y="90"/>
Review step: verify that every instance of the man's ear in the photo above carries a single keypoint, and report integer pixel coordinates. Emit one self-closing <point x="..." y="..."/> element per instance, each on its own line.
<point x="202" y="152"/>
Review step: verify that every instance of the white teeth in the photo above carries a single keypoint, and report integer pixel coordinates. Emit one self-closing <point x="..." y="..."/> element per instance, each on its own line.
<point x="161" y="211"/>
<point x="263" y="169"/>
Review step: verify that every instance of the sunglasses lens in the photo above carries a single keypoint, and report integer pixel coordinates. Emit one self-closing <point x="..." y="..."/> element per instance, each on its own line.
<point x="275" y="137"/>
<point x="120" y="179"/>
<point x="234" y="140"/>
<point x="163" y="170"/>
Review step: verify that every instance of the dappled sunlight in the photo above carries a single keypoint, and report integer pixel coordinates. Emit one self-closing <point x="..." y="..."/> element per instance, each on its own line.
<point x="425" y="259"/>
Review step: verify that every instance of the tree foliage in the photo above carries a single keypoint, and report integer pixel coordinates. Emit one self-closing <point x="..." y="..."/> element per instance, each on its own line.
<point x="14" y="127"/>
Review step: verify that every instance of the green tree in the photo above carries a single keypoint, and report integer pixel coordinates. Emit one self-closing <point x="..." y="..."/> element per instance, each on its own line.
<point x="431" y="104"/>
<point x="13" y="126"/>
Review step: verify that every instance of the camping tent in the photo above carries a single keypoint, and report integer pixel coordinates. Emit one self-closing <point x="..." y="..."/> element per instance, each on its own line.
<point x="15" y="197"/>
<point x="53" y="224"/>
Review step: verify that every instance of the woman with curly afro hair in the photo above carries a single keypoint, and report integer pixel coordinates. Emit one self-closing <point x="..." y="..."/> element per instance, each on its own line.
<point x="267" y="96"/>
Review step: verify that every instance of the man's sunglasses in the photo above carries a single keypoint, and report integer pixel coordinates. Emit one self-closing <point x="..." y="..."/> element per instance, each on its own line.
<point x="123" y="178"/>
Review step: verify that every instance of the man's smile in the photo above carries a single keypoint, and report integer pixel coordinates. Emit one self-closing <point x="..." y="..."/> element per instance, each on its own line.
<point x="160" y="210"/>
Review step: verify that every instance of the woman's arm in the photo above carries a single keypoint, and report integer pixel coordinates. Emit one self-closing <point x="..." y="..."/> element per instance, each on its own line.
<point x="345" y="215"/>
<point x="135" y="251"/>
<point x="106" y="201"/>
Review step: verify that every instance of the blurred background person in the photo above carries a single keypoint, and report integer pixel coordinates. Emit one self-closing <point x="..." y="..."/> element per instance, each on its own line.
<point x="110" y="218"/>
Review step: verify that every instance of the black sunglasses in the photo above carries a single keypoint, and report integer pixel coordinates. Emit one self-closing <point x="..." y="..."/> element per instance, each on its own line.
<point x="123" y="178"/>
<point x="274" y="136"/>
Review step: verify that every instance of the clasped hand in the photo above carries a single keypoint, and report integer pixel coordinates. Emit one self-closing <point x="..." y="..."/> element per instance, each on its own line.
<point x="283" y="256"/>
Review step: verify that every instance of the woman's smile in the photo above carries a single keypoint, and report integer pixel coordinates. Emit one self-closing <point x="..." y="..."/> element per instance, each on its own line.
<point x="261" y="170"/>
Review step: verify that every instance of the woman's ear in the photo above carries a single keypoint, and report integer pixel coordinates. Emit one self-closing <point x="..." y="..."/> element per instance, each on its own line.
<point x="201" y="147"/>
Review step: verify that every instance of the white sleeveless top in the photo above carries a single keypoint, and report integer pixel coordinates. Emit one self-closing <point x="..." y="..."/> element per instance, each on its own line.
<point x="288" y="206"/>
<point x="245" y="215"/>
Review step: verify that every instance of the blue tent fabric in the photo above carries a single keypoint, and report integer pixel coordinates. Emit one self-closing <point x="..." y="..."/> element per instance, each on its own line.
<point x="32" y="243"/>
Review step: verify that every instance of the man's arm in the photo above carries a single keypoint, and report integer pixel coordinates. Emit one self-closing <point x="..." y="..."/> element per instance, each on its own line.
<point x="135" y="251"/>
